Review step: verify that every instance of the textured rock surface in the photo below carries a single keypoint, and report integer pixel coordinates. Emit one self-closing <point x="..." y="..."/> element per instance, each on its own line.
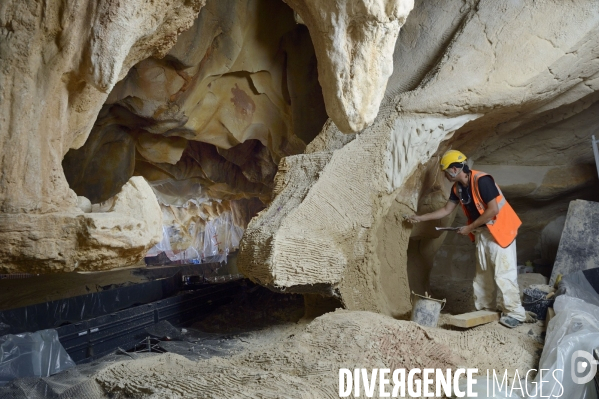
<point x="354" y="43"/>
<point x="117" y="232"/>
<point x="209" y="122"/>
<point x="305" y="362"/>
<point x="579" y="245"/>
<point x="540" y="155"/>
<point x="475" y="82"/>
<point x="59" y="60"/>
<point x="321" y="228"/>
<point x="232" y="85"/>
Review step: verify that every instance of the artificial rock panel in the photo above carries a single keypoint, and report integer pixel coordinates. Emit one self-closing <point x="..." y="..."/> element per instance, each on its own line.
<point x="477" y="82"/>
<point x="244" y="73"/>
<point x="354" y="43"/>
<point x="579" y="244"/>
<point x="118" y="233"/>
<point x="59" y="60"/>
<point x="207" y="124"/>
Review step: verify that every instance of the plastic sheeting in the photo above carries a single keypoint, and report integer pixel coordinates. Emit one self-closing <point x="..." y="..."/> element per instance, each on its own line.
<point x="38" y="354"/>
<point x="581" y="285"/>
<point x="195" y="344"/>
<point x="574" y="328"/>
<point x="80" y="382"/>
<point x="164" y="245"/>
<point x="212" y="243"/>
<point x="64" y="311"/>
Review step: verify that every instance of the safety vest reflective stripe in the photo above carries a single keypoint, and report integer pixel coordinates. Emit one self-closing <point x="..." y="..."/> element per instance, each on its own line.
<point x="504" y="226"/>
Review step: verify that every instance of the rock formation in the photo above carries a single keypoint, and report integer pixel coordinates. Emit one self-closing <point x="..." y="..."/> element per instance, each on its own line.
<point x="207" y="124"/>
<point x="207" y="120"/>
<point x="59" y="62"/>
<point x="238" y="92"/>
<point x="222" y="115"/>
<point x="354" y="43"/>
<point x="117" y="232"/>
<point x="465" y="79"/>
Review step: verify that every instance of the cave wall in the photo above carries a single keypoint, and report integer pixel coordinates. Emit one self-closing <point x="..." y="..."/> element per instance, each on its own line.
<point x="489" y="76"/>
<point x="59" y="60"/>
<point x="206" y="120"/>
<point x="541" y="163"/>
<point x="111" y="132"/>
<point x="207" y="124"/>
<point x="540" y="170"/>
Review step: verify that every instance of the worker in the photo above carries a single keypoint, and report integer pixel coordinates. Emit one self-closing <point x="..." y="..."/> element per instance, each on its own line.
<point x="493" y="226"/>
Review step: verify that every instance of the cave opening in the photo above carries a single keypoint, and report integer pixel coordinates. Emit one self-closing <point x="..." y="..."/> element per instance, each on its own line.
<point x="207" y="125"/>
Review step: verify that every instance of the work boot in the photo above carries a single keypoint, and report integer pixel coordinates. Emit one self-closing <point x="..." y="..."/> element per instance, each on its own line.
<point x="509" y="321"/>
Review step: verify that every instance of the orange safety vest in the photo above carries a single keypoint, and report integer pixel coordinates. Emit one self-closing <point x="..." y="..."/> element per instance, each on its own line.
<point x="504" y="226"/>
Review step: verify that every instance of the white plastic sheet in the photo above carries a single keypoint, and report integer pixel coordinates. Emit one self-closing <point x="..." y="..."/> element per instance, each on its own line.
<point x="212" y="243"/>
<point x="577" y="285"/>
<point x="219" y="237"/>
<point x="38" y="354"/>
<point x="164" y="245"/>
<point x="575" y="327"/>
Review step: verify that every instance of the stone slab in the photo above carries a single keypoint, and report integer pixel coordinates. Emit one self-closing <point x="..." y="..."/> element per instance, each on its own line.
<point x="473" y="319"/>
<point x="579" y="245"/>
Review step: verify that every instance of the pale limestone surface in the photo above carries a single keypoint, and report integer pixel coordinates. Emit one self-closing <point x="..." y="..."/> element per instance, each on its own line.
<point x="232" y="81"/>
<point x="140" y="224"/>
<point x="512" y="85"/>
<point x="59" y="60"/>
<point x="117" y="232"/>
<point x="220" y="85"/>
<point x="476" y="85"/>
<point x="354" y="42"/>
<point x="321" y="228"/>
<point x="207" y="124"/>
<point x="78" y="51"/>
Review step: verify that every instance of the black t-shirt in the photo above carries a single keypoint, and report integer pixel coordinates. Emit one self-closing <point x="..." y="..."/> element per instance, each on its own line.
<point x="487" y="189"/>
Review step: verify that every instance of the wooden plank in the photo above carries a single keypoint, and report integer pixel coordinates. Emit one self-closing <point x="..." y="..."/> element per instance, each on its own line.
<point x="473" y="319"/>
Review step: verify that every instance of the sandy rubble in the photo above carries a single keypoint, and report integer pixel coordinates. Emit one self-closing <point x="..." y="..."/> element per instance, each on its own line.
<point x="303" y="360"/>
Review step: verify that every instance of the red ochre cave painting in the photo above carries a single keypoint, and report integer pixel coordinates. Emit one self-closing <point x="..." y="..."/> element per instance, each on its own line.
<point x="244" y="105"/>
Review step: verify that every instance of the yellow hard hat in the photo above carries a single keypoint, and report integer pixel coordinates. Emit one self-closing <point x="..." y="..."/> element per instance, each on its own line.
<point x="450" y="157"/>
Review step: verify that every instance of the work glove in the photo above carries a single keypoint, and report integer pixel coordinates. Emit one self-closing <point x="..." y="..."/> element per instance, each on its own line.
<point x="531" y="317"/>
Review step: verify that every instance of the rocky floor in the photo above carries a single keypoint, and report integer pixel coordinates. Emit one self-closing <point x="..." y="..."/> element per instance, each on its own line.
<point x="261" y="346"/>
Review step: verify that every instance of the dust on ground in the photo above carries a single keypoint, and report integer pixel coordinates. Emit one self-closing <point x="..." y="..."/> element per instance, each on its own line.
<point x="298" y="358"/>
<point x="278" y="353"/>
<point x="304" y="362"/>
